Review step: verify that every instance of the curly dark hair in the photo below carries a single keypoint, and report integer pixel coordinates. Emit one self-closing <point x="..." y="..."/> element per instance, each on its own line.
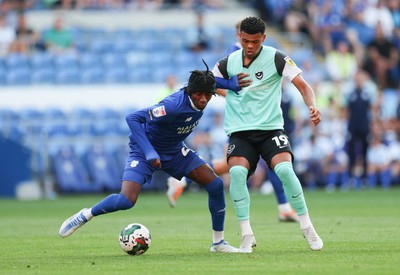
<point x="252" y="25"/>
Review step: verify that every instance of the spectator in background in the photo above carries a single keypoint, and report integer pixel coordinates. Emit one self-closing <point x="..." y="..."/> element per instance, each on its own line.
<point x="378" y="159"/>
<point x="147" y="5"/>
<point x="394" y="9"/>
<point x="341" y="64"/>
<point x="382" y="61"/>
<point x="359" y="112"/>
<point x="299" y="19"/>
<point x="379" y="13"/>
<point x="22" y="5"/>
<point x="331" y="26"/>
<point x="198" y="36"/>
<point x="170" y="86"/>
<point x="358" y="34"/>
<point x="58" y="39"/>
<point x="7" y="36"/>
<point x="27" y="39"/>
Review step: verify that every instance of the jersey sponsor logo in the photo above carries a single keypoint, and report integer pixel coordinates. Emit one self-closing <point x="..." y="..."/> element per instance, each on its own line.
<point x="259" y="75"/>
<point x="186" y="129"/>
<point x="185" y="151"/>
<point x="159" y="111"/>
<point x="188" y="119"/>
<point x="289" y="61"/>
<point x="134" y="163"/>
<point x="231" y="147"/>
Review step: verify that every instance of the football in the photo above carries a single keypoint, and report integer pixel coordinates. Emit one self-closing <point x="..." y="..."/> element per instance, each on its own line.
<point x="135" y="239"/>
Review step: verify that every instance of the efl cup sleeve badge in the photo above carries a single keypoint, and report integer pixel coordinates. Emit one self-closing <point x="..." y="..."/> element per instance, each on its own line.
<point x="290" y="61"/>
<point x="159" y="111"/>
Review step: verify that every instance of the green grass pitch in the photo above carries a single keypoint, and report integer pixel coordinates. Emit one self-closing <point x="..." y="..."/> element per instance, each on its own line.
<point x="360" y="229"/>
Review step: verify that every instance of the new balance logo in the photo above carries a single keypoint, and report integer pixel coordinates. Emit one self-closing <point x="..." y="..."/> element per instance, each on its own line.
<point x="185" y="151"/>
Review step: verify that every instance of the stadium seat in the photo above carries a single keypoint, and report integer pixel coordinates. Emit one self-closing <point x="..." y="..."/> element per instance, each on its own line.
<point x="16" y="61"/>
<point x="124" y="46"/>
<point x="96" y="33"/>
<point x="103" y="168"/>
<point x="41" y="60"/>
<point x="18" y="76"/>
<point x="101" y="46"/>
<point x="116" y="75"/>
<point x="55" y="114"/>
<point x="68" y="76"/>
<point x="66" y="61"/>
<point x="93" y="75"/>
<point x="137" y="59"/>
<point x="160" y="73"/>
<point x="141" y="74"/>
<point x="43" y="76"/>
<point x="71" y="175"/>
<point x="2" y="76"/>
<point x="123" y="33"/>
<point x="104" y="114"/>
<point x="90" y="60"/>
<point x="112" y="60"/>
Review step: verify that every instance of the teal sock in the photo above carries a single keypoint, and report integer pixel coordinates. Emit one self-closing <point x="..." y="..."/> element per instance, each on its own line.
<point x="292" y="186"/>
<point x="239" y="193"/>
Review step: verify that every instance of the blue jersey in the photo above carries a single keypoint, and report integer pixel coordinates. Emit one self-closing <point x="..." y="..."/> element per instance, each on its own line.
<point x="162" y="128"/>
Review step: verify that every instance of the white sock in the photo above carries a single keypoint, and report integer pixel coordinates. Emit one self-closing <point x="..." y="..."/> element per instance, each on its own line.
<point x="245" y="227"/>
<point x="218" y="236"/>
<point x="304" y="220"/>
<point x="284" y="207"/>
<point x="88" y="214"/>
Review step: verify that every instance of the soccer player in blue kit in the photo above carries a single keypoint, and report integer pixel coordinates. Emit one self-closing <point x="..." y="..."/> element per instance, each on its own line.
<point x="157" y="142"/>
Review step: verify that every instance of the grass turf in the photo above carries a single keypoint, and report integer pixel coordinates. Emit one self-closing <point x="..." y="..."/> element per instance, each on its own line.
<point x="360" y="232"/>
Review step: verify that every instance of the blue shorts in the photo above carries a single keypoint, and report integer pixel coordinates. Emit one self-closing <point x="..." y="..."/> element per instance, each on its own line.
<point x="177" y="165"/>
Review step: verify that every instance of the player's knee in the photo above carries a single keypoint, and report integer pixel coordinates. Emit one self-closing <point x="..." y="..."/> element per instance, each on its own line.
<point x="238" y="174"/>
<point x="284" y="171"/>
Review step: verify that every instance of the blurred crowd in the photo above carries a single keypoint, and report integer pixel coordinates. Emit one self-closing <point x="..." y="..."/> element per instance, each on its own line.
<point x="348" y="51"/>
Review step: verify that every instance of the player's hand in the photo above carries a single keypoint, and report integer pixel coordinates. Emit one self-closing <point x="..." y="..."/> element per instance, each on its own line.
<point x="315" y="115"/>
<point x="242" y="81"/>
<point x="156" y="163"/>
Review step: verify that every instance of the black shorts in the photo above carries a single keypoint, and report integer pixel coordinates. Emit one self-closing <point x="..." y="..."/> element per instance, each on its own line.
<point x="253" y="144"/>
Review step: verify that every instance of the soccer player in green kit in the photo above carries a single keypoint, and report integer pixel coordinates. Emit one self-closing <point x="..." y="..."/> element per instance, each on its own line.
<point x="254" y="124"/>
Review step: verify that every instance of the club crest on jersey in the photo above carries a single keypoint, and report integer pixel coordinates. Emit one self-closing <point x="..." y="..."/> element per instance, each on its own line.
<point x="289" y="61"/>
<point x="159" y="111"/>
<point x="259" y="75"/>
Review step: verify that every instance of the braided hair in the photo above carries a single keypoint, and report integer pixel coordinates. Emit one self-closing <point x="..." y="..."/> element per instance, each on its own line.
<point x="201" y="81"/>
